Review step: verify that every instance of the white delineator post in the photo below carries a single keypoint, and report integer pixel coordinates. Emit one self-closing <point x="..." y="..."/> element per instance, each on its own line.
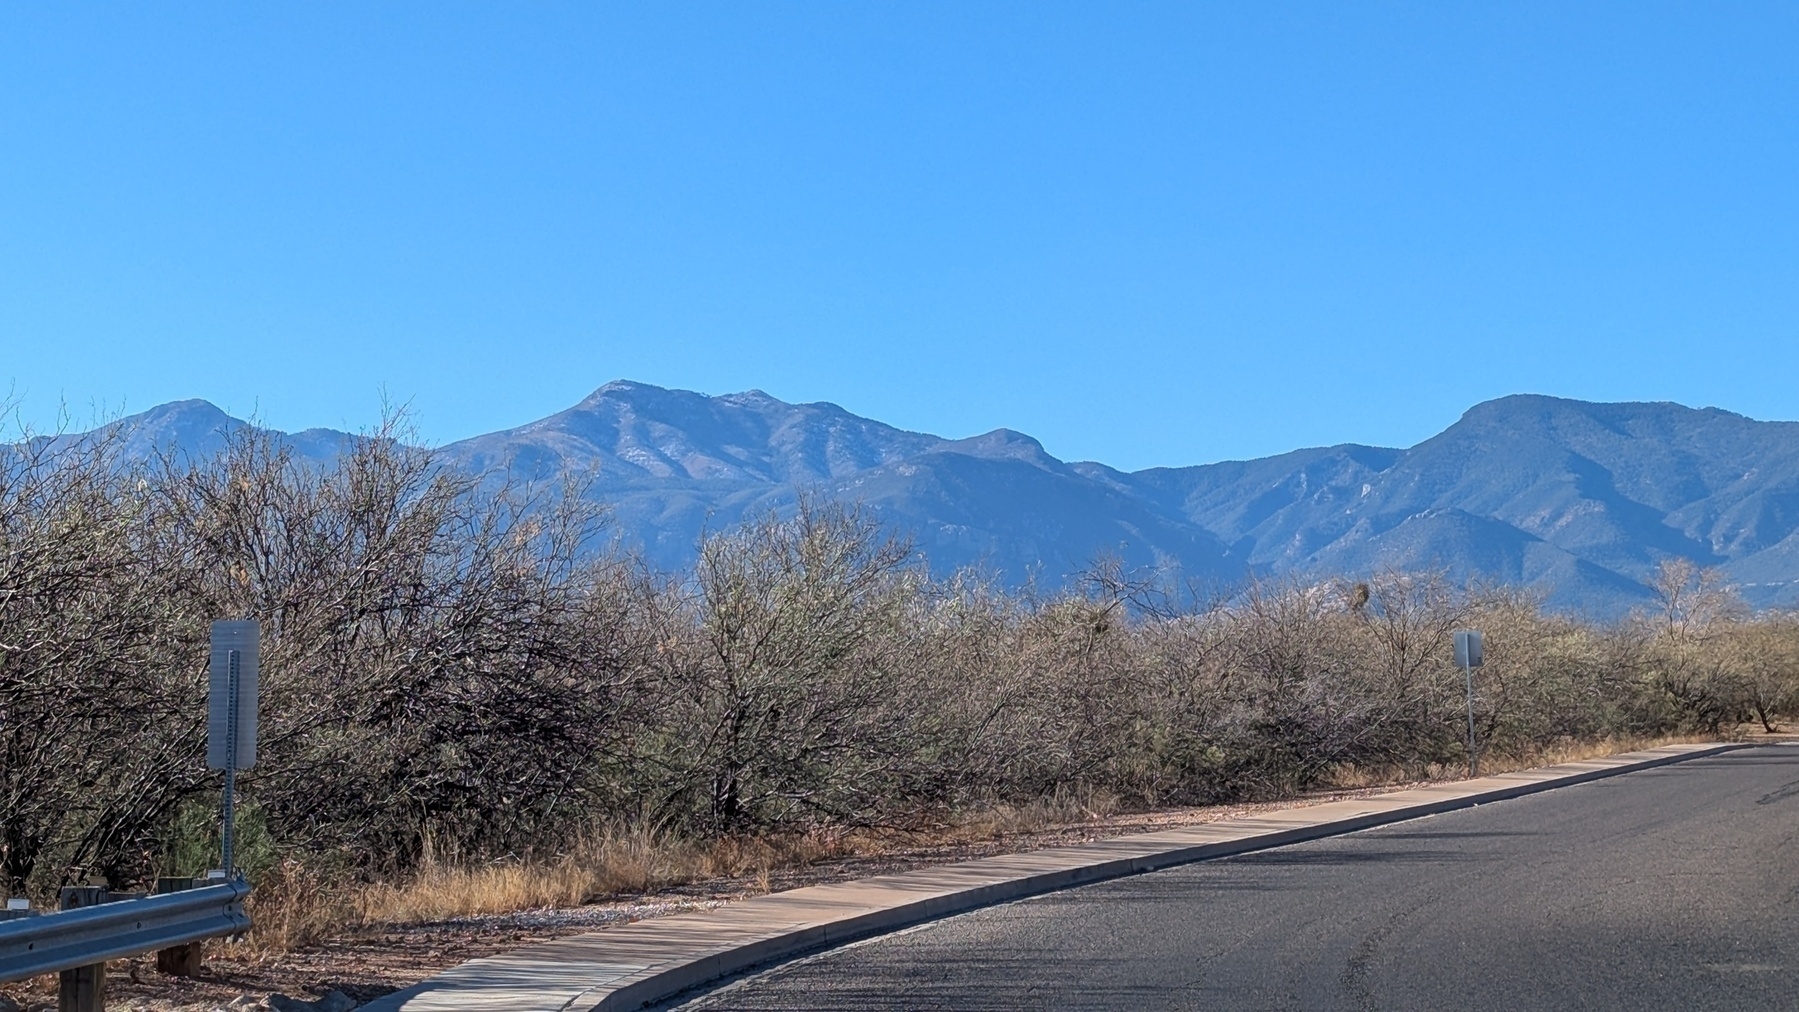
<point x="1469" y="651"/>
<point x="229" y="835"/>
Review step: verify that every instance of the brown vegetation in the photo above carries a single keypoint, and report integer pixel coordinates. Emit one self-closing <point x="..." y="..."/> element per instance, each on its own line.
<point x="462" y="683"/>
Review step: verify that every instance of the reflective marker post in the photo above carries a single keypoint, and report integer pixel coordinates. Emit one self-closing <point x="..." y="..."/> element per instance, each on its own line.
<point x="235" y="667"/>
<point x="1469" y="654"/>
<point x="231" y="717"/>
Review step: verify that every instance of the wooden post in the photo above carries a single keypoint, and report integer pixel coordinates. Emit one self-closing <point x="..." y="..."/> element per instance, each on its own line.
<point x="82" y="989"/>
<point x="178" y="960"/>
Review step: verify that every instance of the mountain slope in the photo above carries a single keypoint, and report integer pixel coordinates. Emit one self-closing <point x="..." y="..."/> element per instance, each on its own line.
<point x="1000" y="501"/>
<point x="195" y="428"/>
<point x="1579" y="501"/>
<point x="633" y="434"/>
<point x="1617" y="487"/>
<point x="673" y="464"/>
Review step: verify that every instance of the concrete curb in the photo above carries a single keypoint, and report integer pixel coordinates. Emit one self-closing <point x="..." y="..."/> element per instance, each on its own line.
<point x="635" y="965"/>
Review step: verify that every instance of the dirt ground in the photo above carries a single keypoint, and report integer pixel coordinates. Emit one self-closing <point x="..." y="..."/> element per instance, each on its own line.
<point x="369" y="963"/>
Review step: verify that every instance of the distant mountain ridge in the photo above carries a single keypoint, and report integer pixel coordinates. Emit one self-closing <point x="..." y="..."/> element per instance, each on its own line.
<point x="1577" y="500"/>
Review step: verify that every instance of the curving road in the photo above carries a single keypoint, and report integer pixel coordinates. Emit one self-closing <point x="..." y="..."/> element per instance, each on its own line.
<point x="1673" y="888"/>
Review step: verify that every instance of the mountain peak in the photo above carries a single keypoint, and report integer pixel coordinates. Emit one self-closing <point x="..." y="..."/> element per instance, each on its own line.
<point x="178" y="422"/>
<point x="648" y="394"/>
<point x="751" y="396"/>
<point x="1578" y="499"/>
<point x="618" y="389"/>
<point x="629" y="433"/>
<point x="1005" y="444"/>
<point x="1539" y="406"/>
<point x="193" y="407"/>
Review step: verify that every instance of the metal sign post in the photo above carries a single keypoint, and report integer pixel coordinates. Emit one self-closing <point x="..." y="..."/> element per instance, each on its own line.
<point x="1469" y="654"/>
<point x="231" y="716"/>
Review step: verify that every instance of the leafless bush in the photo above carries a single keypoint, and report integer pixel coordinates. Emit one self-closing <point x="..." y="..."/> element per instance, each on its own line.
<point x="86" y="660"/>
<point x="783" y="691"/>
<point x="440" y="655"/>
<point x="458" y="672"/>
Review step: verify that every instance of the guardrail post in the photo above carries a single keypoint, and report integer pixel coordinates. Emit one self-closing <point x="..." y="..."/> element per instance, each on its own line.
<point x="179" y="960"/>
<point x="84" y="935"/>
<point x="82" y="989"/>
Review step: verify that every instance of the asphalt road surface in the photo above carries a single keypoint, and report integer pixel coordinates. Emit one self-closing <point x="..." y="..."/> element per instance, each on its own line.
<point x="1673" y="888"/>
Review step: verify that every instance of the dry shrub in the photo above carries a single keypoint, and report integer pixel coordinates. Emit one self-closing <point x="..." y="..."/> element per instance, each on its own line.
<point x="293" y="906"/>
<point x="1352" y="777"/>
<point x="606" y="864"/>
<point x="1069" y="806"/>
<point x="603" y="864"/>
<point x="1578" y="751"/>
<point x="460" y="681"/>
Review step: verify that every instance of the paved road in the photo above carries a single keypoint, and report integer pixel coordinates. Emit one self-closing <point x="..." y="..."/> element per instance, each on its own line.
<point x="1675" y="888"/>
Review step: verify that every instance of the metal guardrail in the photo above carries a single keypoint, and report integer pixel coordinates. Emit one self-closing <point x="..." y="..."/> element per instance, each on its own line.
<point x="52" y="942"/>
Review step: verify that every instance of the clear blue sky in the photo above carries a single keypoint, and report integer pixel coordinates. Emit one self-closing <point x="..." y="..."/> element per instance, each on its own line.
<point x="1144" y="233"/>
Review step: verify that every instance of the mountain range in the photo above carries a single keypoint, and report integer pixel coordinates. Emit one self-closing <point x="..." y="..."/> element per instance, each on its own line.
<point x="1579" y="501"/>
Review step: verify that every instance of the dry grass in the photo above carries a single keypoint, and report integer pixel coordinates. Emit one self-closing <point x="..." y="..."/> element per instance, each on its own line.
<point x="1352" y="777"/>
<point x="612" y="862"/>
<point x="1067" y="806"/>
<point x="292" y="907"/>
<point x="606" y="863"/>
<point x="1576" y="751"/>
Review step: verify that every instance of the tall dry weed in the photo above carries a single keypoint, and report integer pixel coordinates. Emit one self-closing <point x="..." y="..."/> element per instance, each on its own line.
<point x="293" y="906"/>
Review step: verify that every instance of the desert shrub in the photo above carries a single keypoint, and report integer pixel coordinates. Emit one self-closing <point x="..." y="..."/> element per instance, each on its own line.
<point x="96" y="726"/>
<point x="458" y="668"/>
<point x="784" y="699"/>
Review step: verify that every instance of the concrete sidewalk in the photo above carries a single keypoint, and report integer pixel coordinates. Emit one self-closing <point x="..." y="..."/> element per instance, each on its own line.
<point x="634" y="965"/>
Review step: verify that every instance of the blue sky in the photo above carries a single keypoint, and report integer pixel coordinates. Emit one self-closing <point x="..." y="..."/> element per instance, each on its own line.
<point x="1144" y="233"/>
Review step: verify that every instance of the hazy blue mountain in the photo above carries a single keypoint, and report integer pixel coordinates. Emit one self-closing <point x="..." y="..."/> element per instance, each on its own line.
<point x="1001" y="501"/>
<point x="1581" y="500"/>
<point x="196" y="428"/>
<point x="673" y="464"/>
<point x="1577" y="500"/>
<point x="637" y="435"/>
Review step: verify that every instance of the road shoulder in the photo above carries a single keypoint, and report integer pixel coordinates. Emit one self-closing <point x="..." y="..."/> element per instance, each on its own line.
<point x="634" y="965"/>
